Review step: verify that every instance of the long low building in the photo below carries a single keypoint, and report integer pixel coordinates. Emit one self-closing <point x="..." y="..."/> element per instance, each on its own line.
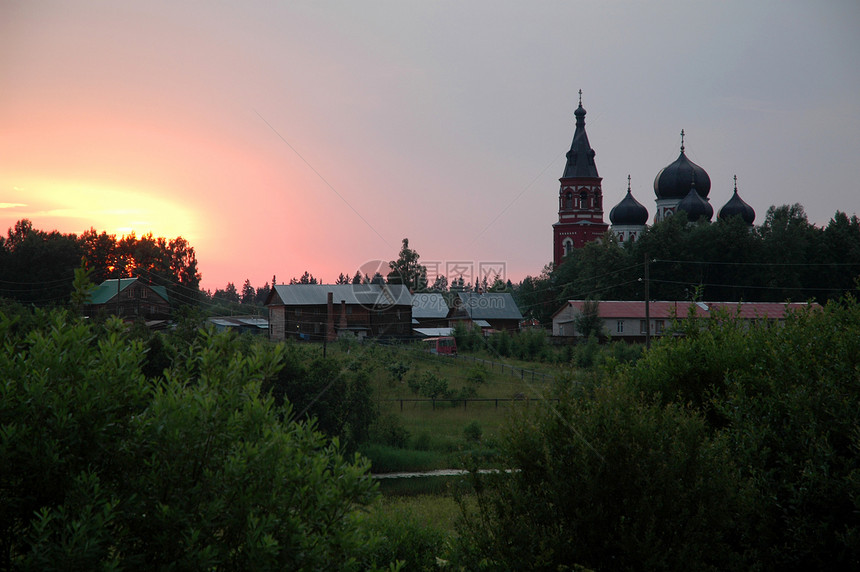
<point x="325" y="311"/>
<point x="625" y="319"/>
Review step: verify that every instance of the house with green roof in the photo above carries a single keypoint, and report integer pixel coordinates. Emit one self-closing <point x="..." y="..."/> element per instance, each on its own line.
<point x="129" y="298"/>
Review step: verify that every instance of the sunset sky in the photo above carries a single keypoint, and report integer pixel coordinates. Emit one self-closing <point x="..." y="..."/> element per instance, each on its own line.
<point x="279" y="137"/>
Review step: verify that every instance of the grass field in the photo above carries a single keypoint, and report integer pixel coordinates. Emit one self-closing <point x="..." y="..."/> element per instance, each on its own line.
<point x="421" y="511"/>
<point x="468" y="422"/>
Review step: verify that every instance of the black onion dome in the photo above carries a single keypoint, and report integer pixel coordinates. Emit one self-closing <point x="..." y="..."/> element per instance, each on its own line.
<point x="629" y="211"/>
<point x="737" y="207"/>
<point x="673" y="181"/>
<point x="695" y="206"/>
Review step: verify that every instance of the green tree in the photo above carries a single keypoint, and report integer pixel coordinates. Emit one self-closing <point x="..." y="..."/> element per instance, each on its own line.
<point x="606" y="482"/>
<point x="82" y="286"/>
<point x="101" y="468"/>
<point x="342" y="279"/>
<point x="588" y="323"/>
<point x="306" y="278"/>
<point x="406" y="269"/>
<point x="230" y="294"/>
<point x="38" y="267"/>
<point x="248" y="293"/>
<point x="262" y="294"/>
<point x="784" y="399"/>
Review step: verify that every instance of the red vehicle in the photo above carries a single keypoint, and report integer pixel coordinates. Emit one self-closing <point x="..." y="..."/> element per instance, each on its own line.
<point x="446" y="345"/>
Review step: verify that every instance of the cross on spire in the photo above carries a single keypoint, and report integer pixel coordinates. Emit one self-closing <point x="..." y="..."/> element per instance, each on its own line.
<point x="628" y="183"/>
<point x="580" y="98"/>
<point x="736" y="183"/>
<point x="682" y="140"/>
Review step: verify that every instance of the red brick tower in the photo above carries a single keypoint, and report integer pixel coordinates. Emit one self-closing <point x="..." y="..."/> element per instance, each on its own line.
<point x="580" y="198"/>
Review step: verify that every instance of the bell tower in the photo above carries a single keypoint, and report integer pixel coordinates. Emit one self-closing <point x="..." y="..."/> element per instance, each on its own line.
<point x="580" y="197"/>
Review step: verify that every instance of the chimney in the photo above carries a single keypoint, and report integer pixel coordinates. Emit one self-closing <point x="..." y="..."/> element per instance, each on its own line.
<point x="343" y="315"/>
<point x="329" y="329"/>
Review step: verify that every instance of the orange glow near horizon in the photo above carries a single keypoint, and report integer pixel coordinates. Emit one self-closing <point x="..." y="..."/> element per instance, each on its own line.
<point x="74" y="207"/>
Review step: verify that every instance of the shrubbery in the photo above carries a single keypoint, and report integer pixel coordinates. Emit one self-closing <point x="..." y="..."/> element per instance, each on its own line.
<point x="104" y="468"/>
<point x="735" y="447"/>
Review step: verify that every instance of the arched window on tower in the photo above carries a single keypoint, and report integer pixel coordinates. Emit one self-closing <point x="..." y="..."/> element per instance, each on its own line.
<point x="583" y="200"/>
<point x="568" y="200"/>
<point x="567" y="246"/>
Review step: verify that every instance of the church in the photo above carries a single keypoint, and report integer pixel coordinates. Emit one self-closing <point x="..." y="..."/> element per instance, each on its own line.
<point x="680" y="186"/>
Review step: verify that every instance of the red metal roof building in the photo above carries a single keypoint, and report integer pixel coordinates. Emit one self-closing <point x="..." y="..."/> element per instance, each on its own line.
<point x="626" y="319"/>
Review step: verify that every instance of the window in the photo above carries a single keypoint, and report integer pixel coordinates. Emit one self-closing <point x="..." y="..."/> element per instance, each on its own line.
<point x="568" y="200"/>
<point x="298" y="311"/>
<point x="143" y="293"/>
<point x="660" y="325"/>
<point x="568" y="246"/>
<point x="643" y="327"/>
<point x="583" y="200"/>
<point x="619" y="326"/>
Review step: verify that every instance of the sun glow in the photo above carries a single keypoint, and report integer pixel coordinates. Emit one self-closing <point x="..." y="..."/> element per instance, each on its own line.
<point x="77" y="206"/>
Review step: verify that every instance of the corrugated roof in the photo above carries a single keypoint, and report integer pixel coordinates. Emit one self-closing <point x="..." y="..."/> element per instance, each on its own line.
<point x="427" y="305"/>
<point x="239" y="321"/>
<point x="368" y="295"/>
<point x="488" y="306"/>
<point x="433" y="332"/>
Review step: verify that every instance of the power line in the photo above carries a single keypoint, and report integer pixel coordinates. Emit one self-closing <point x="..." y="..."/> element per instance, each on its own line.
<point x="760" y="263"/>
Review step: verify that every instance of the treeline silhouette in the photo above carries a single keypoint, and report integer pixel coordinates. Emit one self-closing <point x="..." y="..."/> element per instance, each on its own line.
<point x="785" y="258"/>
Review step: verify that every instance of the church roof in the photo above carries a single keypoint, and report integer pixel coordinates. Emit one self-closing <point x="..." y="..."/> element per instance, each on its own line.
<point x="695" y="206"/>
<point x="673" y="181"/>
<point x="580" y="158"/>
<point x="629" y="211"/>
<point x="737" y="207"/>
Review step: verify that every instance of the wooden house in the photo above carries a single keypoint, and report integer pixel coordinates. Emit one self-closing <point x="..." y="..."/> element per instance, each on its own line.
<point x="325" y="311"/>
<point x="129" y="298"/>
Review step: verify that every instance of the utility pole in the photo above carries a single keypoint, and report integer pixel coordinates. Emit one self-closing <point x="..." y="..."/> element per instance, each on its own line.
<point x="647" y="304"/>
<point x="118" y="280"/>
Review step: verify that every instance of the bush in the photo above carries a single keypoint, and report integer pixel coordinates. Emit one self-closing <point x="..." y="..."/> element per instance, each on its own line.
<point x="389" y="430"/>
<point x="102" y="468"/>
<point x="784" y="398"/>
<point x="531" y="344"/>
<point x="500" y="343"/>
<point x="429" y="384"/>
<point x="421" y="442"/>
<point x="606" y="482"/>
<point x="333" y="392"/>
<point x="406" y="539"/>
<point x="473" y="431"/>
<point x="477" y="374"/>
<point x="468" y="339"/>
